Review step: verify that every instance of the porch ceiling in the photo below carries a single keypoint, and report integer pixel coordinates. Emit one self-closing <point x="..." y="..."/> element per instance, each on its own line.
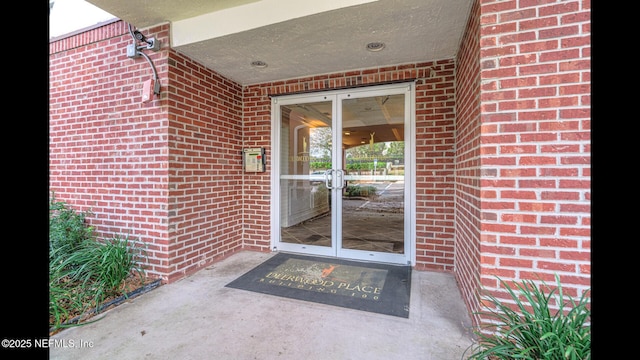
<point x="299" y="38"/>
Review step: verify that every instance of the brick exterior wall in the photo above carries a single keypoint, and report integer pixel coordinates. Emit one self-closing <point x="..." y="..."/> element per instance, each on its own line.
<point x="435" y="134"/>
<point x="205" y="169"/>
<point x="535" y="142"/>
<point x="170" y="171"/>
<point x="166" y="173"/>
<point x="108" y="151"/>
<point x="502" y="148"/>
<point x="468" y="137"/>
<point x="256" y="216"/>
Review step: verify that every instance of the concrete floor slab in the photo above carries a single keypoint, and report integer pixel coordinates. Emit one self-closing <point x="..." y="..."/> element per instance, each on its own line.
<point x="199" y="318"/>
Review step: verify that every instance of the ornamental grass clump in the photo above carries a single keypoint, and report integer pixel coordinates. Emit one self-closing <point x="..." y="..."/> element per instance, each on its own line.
<point x="68" y="230"/>
<point x="531" y="329"/>
<point x="83" y="272"/>
<point x="101" y="268"/>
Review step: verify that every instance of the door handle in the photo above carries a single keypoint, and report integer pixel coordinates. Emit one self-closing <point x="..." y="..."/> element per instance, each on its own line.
<point x="341" y="178"/>
<point x="327" y="175"/>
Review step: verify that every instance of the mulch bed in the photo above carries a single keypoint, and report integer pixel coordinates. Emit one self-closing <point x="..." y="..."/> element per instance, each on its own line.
<point x="132" y="287"/>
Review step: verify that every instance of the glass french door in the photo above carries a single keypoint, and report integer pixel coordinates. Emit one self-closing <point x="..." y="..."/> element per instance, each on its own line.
<point x="342" y="176"/>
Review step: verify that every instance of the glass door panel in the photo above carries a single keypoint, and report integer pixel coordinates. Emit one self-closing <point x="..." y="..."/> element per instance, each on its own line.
<point x="340" y="182"/>
<point x="305" y="157"/>
<point x="373" y="198"/>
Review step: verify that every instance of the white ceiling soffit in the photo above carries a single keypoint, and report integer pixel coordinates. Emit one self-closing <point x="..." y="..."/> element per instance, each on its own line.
<point x="299" y="38"/>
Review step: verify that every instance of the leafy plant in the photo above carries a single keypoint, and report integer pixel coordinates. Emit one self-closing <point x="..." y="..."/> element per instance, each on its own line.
<point x="532" y="330"/>
<point x="64" y="301"/>
<point x="113" y="262"/>
<point x="83" y="272"/>
<point x="67" y="229"/>
<point x="357" y="190"/>
<point x="320" y="165"/>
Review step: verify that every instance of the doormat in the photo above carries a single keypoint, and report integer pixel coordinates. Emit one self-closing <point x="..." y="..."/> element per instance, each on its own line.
<point x="373" y="287"/>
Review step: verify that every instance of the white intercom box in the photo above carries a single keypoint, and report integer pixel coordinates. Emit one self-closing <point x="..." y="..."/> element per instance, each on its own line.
<point x="253" y="159"/>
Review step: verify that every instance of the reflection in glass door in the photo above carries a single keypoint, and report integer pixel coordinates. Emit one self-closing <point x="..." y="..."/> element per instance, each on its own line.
<point x="304" y="184"/>
<point x="372" y="222"/>
<point x="341" y="169"/>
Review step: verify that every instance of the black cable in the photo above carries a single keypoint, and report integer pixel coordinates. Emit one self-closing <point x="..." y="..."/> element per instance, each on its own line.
<point x="132" y="35"/>
<point x="156" y="83"/>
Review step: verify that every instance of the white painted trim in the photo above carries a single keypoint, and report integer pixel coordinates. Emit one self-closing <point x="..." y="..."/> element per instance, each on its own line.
<point x="252" y="15"/>
<point x="409" y="177"/>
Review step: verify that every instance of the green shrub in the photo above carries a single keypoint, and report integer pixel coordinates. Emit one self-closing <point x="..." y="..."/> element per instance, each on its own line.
<point x="365" y="166"/>
<point x="67" y="229"/>
<point x="116" y="261"/>
<point x="83" y="272"/>
<point x="533" y="331"/>
<point x="320" y="165"/>
<point x="65" y="300"/>
<point x="357" y="190"/>
<point x="101" y="268"/>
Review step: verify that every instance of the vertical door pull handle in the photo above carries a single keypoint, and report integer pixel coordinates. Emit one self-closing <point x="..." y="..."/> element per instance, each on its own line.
<point x="327" y="175"/>
<point x="340" y="178"/>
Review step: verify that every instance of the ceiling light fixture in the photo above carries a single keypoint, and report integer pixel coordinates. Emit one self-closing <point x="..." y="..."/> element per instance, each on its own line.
<point x="375" y="46"/>
<point x="259" y="64"/>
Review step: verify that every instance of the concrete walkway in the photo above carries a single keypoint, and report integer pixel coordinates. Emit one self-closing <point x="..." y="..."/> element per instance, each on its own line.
<point x="199" y="318"/>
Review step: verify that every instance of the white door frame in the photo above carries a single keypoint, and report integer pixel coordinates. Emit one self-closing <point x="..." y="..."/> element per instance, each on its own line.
<point x="409" y="255"/>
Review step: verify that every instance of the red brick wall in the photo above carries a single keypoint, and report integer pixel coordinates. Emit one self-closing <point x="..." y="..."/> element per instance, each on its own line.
<point x="467" y="230"/>
<point x="435" y="166"/>
<point x="502" y="150"/>
<point x="434" y="150"/>
<point x="108" y="151"/>
<point x="535" y="143"/>
<point x="257" y="186"/>
<point x="166" y="173"/>
<point x="205" y="166"/>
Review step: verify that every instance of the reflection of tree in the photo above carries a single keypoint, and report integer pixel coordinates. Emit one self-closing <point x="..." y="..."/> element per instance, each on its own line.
<point x="395" y="149"/>
<point x="320" y="139"/>
<point x="363" y="151"/>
